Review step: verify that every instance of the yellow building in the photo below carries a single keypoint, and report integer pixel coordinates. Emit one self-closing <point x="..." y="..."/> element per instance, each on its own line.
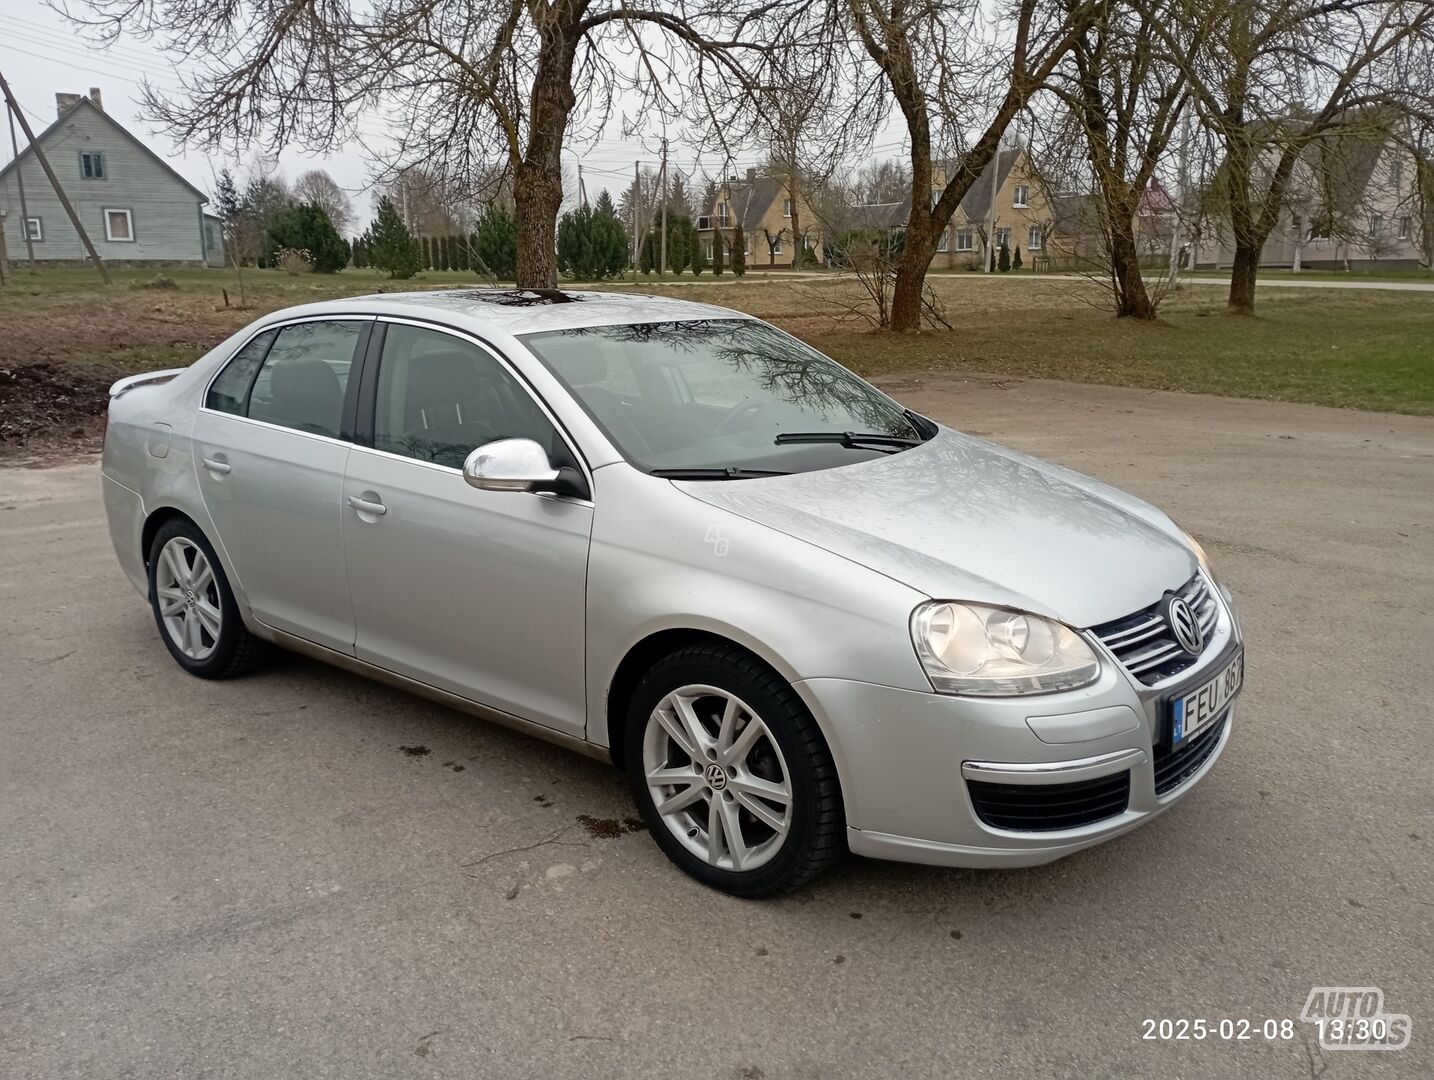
<point x="776" y="233"/>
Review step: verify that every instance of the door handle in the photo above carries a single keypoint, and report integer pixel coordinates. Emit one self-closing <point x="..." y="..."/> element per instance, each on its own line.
<point x="367" y="506"/>
<point x="216" y="464"/>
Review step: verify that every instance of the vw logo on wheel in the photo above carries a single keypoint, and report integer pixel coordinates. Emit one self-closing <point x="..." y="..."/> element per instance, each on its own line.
<point x="716" y="778"/>
<point x="1184" y="625"/>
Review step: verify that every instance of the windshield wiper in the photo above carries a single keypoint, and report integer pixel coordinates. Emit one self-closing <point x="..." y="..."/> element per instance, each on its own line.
<point x="852" y="440"/>
<point x="731" y="472"/>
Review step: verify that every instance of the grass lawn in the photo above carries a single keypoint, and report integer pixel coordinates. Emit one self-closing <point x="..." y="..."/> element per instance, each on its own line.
<point x="1371" y="350"/>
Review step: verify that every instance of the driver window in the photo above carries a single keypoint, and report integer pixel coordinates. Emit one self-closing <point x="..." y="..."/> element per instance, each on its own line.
<point x="440" y="397"/>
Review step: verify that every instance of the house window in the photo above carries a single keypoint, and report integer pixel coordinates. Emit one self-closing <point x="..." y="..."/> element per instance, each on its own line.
<point x="1003" y="236"/>
<point x="92" y="166"/>
<point x="119" y="225"/>
<point x="964" y="241"/>
<point x="722" y="213"/>
<point x="1023" y="194"/>
<point x="1404" y="224"/>
<point x="707" y="249"/>
<point x="943" y="243"/>
<point x="777" y="246"/>
<point x="1033" y="238"/>
<point x="35" y="228"/>
<point x="1396" y="174"/>
<point x="786" y="208"/>
<point x="1376" y="225"/>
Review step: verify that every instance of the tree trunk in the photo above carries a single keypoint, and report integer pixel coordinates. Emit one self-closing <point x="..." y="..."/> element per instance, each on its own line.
<point x="1132" y="300"/>
<point x="538" y="176"/>
<point x="1242" y="277"/>
<point x="911" y="278"/>
<point x="537" y="195"/>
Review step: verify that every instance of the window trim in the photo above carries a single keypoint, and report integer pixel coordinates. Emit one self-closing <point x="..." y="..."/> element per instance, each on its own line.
<point x="346" y="417"/>
<point x="1019" y="203"/>
<point x="366" y="400"/>
<point x="969" y="235"/>
<point x="100" y="154"/>
<point x="786" y="208"/>
<point x="1040" y="240"/>
<point x="25" y="229"/>
<point x="106" y="211"/>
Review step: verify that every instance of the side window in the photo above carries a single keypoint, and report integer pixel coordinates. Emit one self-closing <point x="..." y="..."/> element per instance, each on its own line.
<point x="301" y="384"/>
<point x="230" y="392"/>
<point x="440" y="397"/>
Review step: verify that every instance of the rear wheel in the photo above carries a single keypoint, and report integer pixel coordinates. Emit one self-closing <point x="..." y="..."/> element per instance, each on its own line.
<point x="731" y="774"/>
<point x="194" y="607"/>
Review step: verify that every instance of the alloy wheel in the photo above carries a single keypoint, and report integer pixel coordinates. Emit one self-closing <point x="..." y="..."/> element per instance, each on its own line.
<point x="188" y="598"/>
<point x="717" y="777"/>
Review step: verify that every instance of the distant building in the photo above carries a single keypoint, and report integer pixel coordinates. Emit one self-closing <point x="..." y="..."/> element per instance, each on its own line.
<point x="135" y="208"/>
<point x="762" y="205"/>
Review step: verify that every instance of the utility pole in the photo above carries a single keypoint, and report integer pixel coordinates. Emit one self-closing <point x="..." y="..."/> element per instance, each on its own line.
<point x="54" y="182"/>
<point x="662" y="265"/>
<point x="991" y="226"/>
<point x="20" y="183"/>
<point x="582" y="191"/>
<point x="1184" y="202"/>
<point x="636" y="213"/>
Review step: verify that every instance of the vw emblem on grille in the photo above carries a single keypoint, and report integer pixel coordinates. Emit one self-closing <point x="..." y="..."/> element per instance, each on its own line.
<point x="716" y="777"/>
<point x="1184" y="625"/>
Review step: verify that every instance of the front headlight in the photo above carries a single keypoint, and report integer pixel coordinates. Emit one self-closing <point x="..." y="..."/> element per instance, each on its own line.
<point x="989" y="651"/>
<point x="1199" y="551"/>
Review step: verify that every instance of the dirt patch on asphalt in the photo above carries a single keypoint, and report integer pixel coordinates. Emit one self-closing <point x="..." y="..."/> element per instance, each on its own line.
<point x="51" y="409"/>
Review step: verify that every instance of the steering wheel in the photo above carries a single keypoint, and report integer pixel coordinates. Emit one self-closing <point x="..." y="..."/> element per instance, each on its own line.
<point x="742" y="408"/>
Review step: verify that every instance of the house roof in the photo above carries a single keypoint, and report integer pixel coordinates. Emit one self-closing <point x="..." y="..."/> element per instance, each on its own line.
<point x="975" y="205"/>
<point x="750" y="199"/>
<point x="86" y="103"/>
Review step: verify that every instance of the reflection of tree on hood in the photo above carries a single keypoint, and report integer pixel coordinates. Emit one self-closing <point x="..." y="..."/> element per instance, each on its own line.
<point x="784" y="367"/>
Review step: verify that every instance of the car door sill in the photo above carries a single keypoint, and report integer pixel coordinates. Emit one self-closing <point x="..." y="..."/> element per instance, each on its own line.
<point x="454" y="701"/>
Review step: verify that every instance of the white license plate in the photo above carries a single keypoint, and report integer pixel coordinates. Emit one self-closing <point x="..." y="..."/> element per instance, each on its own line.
<point x="1192" y="712"/>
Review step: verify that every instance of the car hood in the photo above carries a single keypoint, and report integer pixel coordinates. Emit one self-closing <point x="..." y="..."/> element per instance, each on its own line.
<point x="958" y="518"/>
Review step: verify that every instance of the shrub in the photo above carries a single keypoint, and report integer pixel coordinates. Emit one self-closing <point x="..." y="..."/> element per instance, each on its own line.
<point x="1016" y="259"/>
<point x="739" y="252"/>
<point x="496" y="244"/>
<point x="1003" y="258"/>
<point x="294" y="260"/>
<point x="307" y="228"/>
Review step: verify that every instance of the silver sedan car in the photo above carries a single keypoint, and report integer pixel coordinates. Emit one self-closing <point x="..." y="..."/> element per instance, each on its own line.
<point x="802" y="618"/>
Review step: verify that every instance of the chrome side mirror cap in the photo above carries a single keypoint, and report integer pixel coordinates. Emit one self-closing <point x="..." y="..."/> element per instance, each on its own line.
<point x="509" y="465"/>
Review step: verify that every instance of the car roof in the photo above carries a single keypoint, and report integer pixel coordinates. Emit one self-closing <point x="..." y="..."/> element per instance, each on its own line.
<point x="524" y="311"/>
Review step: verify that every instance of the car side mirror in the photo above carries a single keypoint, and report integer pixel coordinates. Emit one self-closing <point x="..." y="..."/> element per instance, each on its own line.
<point x="520" y="465"/>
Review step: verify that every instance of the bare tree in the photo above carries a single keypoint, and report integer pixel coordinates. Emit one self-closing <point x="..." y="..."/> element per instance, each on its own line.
<point x="1271" y="78"/>
<point x="883" y="181"/>
<point x="319" y="188"/>
<point x="949" y="78"/>
<point x="1123" y="101"/>
<point x="465" y="82"/>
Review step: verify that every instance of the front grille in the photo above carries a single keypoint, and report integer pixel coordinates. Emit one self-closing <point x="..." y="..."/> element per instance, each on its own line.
<point x="1045" y="807"/>
<point x="1144" y="643"/>
<point x="1174" y="767"/>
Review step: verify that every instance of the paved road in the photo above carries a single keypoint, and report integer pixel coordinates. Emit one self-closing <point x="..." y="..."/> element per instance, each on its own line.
<point x="1283" y="282"/>
<point x="255" y="879"/>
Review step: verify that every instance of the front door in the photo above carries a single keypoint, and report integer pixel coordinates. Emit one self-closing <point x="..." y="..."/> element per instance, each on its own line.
<point x="269" y="454"/>
<point x="480" y="593"/>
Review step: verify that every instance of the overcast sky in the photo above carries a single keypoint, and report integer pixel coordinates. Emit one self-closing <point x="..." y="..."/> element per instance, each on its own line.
<point x="41" y="54"/>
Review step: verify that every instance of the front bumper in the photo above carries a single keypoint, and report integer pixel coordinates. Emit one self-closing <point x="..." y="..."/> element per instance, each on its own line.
<point x="910" y="761"/>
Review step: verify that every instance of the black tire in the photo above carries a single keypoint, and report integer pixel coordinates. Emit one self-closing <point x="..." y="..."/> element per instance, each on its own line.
<point x="235" y="651"/>
<point x="816" y="836"/>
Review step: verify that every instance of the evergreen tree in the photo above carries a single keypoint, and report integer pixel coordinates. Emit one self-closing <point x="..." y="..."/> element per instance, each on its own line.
<point x="739" y="251"/>
<point x="1003" y="258"/>
<point x="496" y="243"/>
<point x="611" y="249"/>
<point x="576" y="256"/>
<point x="227" y="204"/>
<point x="391" y="246"/>
<point x="359" y="251"/>
<point x="1016" y="258"/>
<point x="717" y="252"/>
<point x="308" y="228"/>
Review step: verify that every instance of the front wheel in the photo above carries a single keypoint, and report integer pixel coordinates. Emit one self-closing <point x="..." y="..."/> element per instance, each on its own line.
<point x="731" y="774"/>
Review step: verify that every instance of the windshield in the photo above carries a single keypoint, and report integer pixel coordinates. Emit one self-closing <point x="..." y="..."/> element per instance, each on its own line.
<point x="716" y="394"/>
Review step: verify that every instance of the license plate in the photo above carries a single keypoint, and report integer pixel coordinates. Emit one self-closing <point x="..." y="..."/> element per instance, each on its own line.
<point x="1191" y="713"/>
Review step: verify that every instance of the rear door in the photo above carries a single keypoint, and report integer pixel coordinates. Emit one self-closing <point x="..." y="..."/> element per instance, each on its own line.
<point x="480" y="593"/>
<point x="271" y="443"/>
